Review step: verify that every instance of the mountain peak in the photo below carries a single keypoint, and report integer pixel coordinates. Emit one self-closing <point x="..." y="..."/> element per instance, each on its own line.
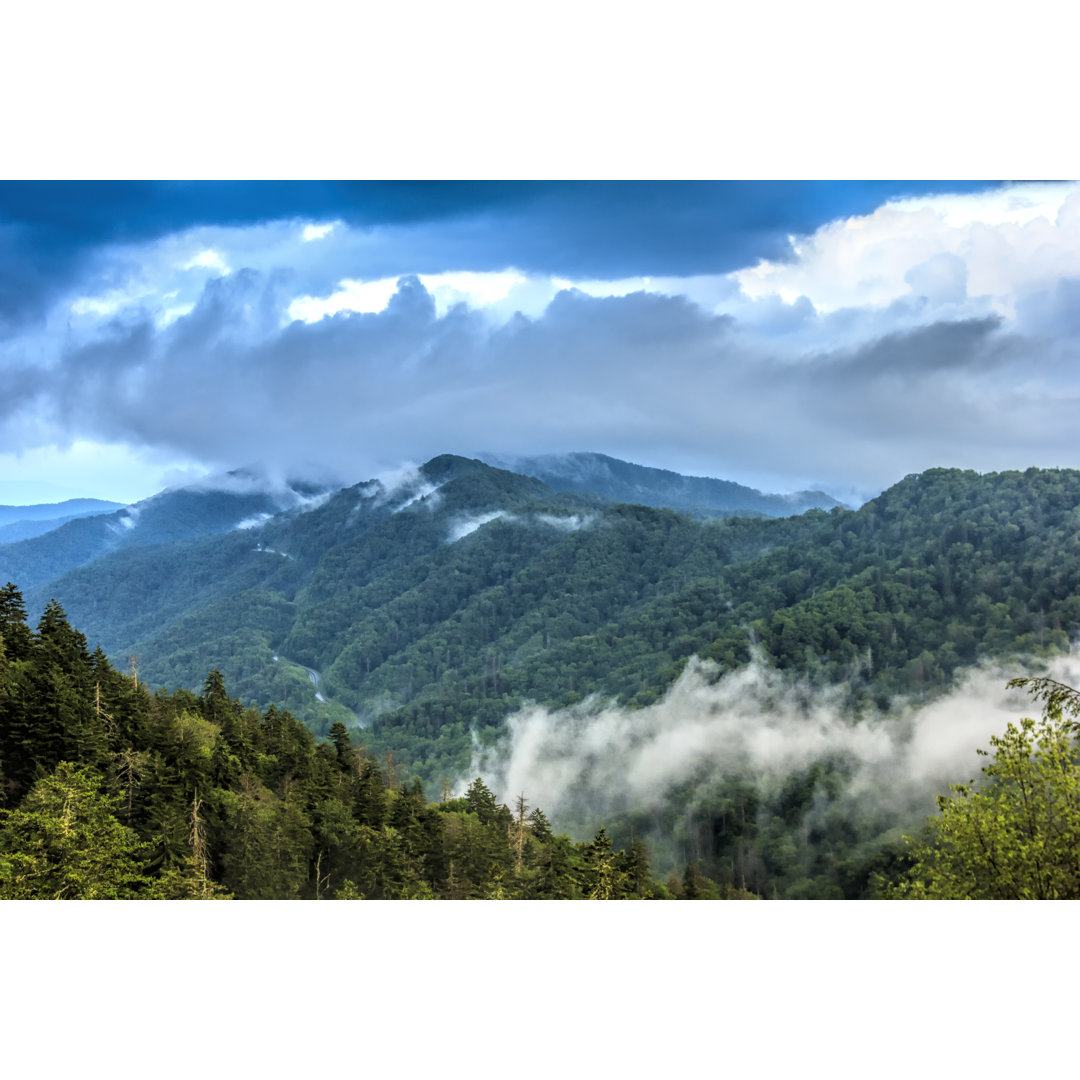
<point x="591" y="472"/>
<point x="446" y="467"/>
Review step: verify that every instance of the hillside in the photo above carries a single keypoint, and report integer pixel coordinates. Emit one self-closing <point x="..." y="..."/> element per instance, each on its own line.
<point x="440" y="605"/>
<point x="254" y="593"/>
<point x="425" y="612"/>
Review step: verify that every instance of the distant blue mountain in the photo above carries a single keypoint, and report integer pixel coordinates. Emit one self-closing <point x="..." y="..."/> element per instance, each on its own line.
<point x="239" y="499"/>
<point x="57" y="511"/>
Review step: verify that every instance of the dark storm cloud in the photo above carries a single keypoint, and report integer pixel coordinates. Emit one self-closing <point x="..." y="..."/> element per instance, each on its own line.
<point x="605" y="229"/>
<point x="643" y="376"/>
<point x="927" y="385"/>
<point x="941" y="346"/>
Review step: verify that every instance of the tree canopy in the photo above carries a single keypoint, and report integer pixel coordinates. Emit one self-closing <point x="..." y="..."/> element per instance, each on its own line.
<point x="1015" y="835"/>
<point x="110" y="792"/>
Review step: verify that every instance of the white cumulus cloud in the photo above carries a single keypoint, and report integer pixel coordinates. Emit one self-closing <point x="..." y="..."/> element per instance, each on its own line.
<point x="996" y="246"/>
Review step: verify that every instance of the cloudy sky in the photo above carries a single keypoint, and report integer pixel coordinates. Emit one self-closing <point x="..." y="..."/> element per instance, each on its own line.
<point x="781" y="334"/>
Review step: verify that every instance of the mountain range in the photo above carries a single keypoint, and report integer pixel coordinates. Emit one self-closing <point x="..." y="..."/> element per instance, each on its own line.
<point x="238" y="500"/>
<point x="23" y="522"/>
<point x="423" y="611"/>
<point x="74" y="533"/>
<point x="427" y="605"/>
<point x="276" y="584"/>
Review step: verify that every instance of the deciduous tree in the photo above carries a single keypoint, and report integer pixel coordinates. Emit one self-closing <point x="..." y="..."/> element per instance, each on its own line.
<point x="1015" y="835"/>
<point x="65" y="843"/>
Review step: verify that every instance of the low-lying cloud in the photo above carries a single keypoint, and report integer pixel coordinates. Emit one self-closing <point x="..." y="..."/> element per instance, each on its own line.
<point x="400" y="488"/>
<point x="566" y="523"/>
<point x="463" y="527"/>
<point x="253" y="522"/>
<point x="595" y="760"/>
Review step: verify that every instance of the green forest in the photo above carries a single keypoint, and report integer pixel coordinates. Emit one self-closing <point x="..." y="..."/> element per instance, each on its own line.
<point x="419" y="638"/>
<point x="377" y="640"/>
<point x="109" y="791"/>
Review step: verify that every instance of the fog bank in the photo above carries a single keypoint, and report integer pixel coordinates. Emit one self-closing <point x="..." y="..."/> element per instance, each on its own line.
<point x="598" y="759"/>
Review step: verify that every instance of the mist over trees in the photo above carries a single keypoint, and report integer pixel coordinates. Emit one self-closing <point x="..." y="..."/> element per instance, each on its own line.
<point x="424" y="616"/>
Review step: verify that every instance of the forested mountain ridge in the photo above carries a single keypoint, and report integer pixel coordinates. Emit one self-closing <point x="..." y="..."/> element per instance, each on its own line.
<point x="240" y="594"/>
<point x="623" y="481"/>
<point x="440" y="605"/>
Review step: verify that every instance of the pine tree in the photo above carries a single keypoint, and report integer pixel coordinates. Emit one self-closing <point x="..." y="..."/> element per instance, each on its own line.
<point x="339" y="736"/>
<point x="555" y="870"/>
<point x="18" y="640"/>
<point x="290" y="749"/>
<point x="602" y="879"/>
<point x="240" y="729"/>
<point x="635" y="866"/>
<point x="269" y="844"/>
<point x="58" y="722"/>
<point x="540" y="826"/>
<point x="369" y="802"/>
<point x="482" y="802"/>
<point x="693" y="883"/>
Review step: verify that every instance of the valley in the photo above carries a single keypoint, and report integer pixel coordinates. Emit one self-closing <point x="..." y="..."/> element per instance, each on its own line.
<point x="428" y="615"/>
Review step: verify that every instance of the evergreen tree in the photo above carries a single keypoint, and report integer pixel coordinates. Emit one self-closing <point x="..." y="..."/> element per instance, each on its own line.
<point x="539" y="825"/>
<point x="693" y="883"/>
<point x="18" y="640"/>
<point x="369" y="802"/>
<point x="268" y="844"/>
<point x="556" y="870"/>
<point x="635" y="865"/>
<point x="339" y="736"/>
<point x="482" y="802"/>
<point x="59" y="722"/>
<point x="192" y="880"/>
<point x="240" y="730"/>
<point x="601" y="878"/>
<point x="336" y="836"/>
<point x="289" y="748"/>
